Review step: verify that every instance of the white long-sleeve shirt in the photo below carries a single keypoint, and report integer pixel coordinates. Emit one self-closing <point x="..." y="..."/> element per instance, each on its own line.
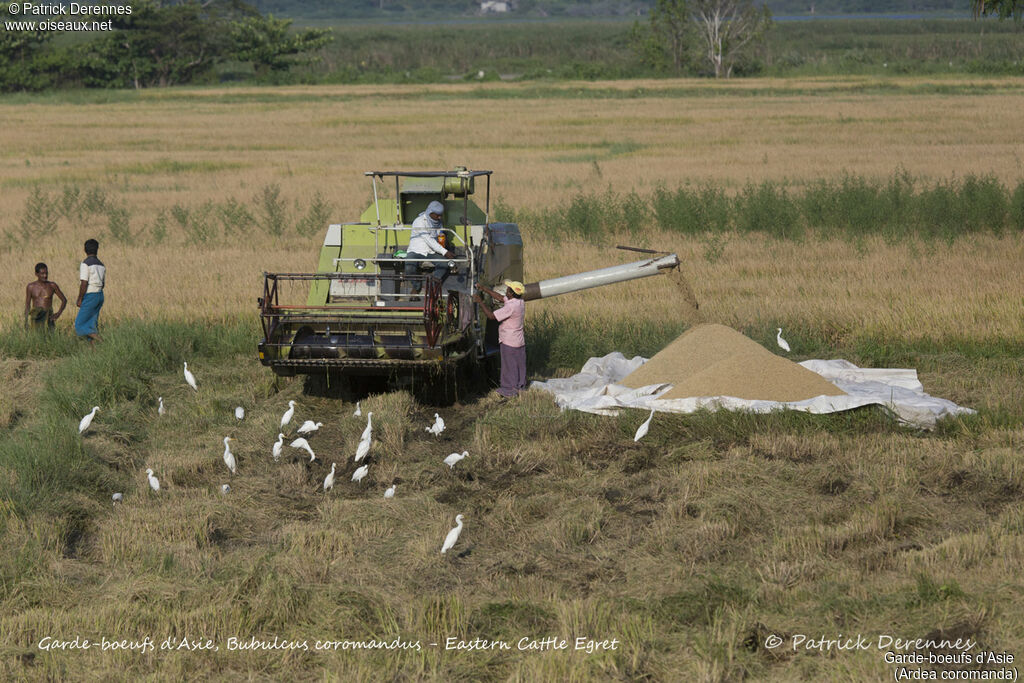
<point x="425" y="231"/>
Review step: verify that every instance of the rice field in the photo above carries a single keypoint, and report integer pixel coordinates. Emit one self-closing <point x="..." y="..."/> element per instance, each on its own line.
<point x="191" y="149"/>
<point x="689" y="549"/>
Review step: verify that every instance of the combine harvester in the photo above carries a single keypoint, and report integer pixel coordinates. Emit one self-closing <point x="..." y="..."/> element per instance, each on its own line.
<point x="361" y="318"/>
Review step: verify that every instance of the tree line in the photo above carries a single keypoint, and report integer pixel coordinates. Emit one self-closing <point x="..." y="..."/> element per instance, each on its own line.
<point x="722" y="35"/>
<point x="160" y="43"/>
<point x="174" y="42"/>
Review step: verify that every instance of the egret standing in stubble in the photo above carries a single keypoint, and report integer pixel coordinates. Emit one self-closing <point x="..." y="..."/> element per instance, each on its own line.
<point x="190" y="378"/>
<point x="229" y="457"/>
<point x="454" y="458"/>
<point x="783" y="344"/>
<point x="302" y="443"/>
<point x="287" y="417"/>
<point x="453" y="535"/>
<point x="641" y="431"/>
<point x="87" y="420"/>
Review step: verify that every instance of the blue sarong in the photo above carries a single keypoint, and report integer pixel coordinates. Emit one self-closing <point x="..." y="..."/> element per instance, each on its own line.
<point x="88" y="314"/>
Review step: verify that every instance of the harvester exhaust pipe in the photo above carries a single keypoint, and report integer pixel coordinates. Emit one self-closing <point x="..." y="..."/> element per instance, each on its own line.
<point x="596" y="278"/>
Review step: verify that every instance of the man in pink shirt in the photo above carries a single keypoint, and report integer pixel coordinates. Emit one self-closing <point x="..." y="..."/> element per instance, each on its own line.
<point x="511" y="339"/>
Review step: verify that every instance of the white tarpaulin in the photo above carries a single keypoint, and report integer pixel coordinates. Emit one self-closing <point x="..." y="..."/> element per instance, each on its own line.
<point x="594" y="390"/>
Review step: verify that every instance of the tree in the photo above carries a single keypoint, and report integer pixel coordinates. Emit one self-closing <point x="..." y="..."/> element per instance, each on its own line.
<point x="670" y="24"/>
<point x="268" y="44"/>
<point x="668" y="37"/>
<point x="728" y="29"/>
<point x="21" y="55"/>
<point x="171" y="42"/>
<point x="1004" y="9"/>
<point x="158" y="45"/>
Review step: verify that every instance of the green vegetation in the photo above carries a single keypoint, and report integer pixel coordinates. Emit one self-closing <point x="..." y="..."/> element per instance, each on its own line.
<point x="154" y="44"/>
<point x="44" y="455"/>
<point x="720" y="34"/>
<point x="607" y="49"/>
<point x="1004" y="9"/>
<point x="899" y="208"/>
<point x="73" y="204"/>
<point x="439" y="10"/>
<point x="689" y="547"/>
<point x="266" y="49"/>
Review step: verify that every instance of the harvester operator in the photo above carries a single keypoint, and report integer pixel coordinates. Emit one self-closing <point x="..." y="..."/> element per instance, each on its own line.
<point x="427" y="228"/>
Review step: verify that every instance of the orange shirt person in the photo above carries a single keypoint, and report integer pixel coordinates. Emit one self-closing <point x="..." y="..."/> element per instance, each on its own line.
<point x="511" y="340"/>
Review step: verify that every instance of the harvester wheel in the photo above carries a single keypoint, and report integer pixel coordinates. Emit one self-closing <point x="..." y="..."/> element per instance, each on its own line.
<point x="452" y="321"/>
<point x="432" y="310"/>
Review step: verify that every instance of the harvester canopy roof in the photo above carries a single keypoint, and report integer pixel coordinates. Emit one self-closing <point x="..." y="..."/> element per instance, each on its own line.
<point x="428" y="174"/>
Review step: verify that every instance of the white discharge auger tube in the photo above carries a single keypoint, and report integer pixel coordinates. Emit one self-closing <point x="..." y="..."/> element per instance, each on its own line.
<point x="597" y="278"/>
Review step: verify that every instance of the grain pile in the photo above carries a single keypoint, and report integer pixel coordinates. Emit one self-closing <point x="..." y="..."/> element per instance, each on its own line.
<point x="715" y="360"/>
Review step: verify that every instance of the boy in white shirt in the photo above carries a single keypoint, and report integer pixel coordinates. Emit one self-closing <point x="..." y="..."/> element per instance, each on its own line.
<point x="93" y="276"/>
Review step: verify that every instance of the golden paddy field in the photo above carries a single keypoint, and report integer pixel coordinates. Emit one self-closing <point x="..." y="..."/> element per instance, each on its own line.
<point x="691" y="547"/>
<point x="155" y="150"/>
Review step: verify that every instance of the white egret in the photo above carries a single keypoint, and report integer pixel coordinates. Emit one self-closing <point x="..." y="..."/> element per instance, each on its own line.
<point x="229" y="457"/>
<point x="641" y="431"/>
<point x="190" y="378"/>
<point x="329" y="480"/>
<point x="161" y="410"/>
<point x="369" y="427"/>
<point x="87" y="420"/>
<point x="117" y="498"/>
<point x="438" y="425"/>
<point x="390" y="493"/>
<point x="154" y="483"/>
<point x="225" y="489"/>
<point x="454" y="458"/>
<point x="453" y="535"/>
<point x="302" y="443"/>
<point x="277" y="447"/>
<point x="359" y="411"/>
<point x="362" y="449"/>
<point x="240" y="413"/>
<point x="781" y="342"/>
<point x="308" y="427"/>
<point x="360" y="473"/>
<point x="287" y="417"/>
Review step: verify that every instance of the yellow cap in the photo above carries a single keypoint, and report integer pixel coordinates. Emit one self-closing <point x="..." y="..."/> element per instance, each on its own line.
<point x="515" y="286"/>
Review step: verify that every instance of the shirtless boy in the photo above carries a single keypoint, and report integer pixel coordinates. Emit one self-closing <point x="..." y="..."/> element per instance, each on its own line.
<point x="39" y="300"/>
